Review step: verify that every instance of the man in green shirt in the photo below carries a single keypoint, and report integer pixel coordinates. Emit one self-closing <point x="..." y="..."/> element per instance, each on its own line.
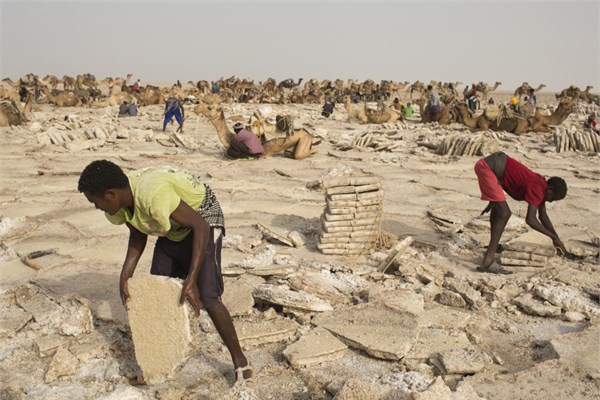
<point x="175" y="205"/>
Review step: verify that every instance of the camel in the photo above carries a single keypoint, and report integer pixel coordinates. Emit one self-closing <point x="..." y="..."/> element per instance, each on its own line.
<point x="466" y="117"/>
<point x="572" y="91"/>
<point x="11" y="112"/>
<point x="540" y="122"/>
<point x="116" y="99"/>
<point x="51" y="80"/>
<point x="88" y="80"/>
<point x="300" y="141"/>
<point x="418" y="87"/>
<point x="520" y="123"/>
<point x="388" y="115"/>
<point x="444" y="117"/>
<point x="355" y="111"/>
<point x="151" y="95"/>
<point x="524" y="89"/>
<point x="68" y="82"/>
<point x="66" y="98"/>
<point x="484" y="88"/>
<point x="586" y="93"/>
<point x="289" y="84"/>
<point x="576" y="93"/>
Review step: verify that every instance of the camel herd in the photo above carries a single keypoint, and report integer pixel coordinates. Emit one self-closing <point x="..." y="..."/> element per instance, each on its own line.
<point x="86" y="90"/>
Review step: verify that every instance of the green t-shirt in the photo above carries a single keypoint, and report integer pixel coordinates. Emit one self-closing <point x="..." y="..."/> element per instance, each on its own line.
<point x="157" y="191"/>
<point x="408" y="112"/>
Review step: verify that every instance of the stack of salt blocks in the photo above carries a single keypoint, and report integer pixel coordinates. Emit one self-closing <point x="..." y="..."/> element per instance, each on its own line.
<point x="351" y="220"/>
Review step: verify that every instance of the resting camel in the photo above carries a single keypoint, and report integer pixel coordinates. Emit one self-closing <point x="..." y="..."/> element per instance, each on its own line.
<point x="388" y="115"/>
<point x="66" y="98"/>
<point x="11" y="112"/>
<point x="540" y="122"/>
<point x="355" y="111"/>
<point x="466" y="117"/>
<point x="150" y="95"/>
<point x="519" y="123"/>
<point x="300" y="141"/>
<point x="116" y="99"/>
<point x="444" y="117"/>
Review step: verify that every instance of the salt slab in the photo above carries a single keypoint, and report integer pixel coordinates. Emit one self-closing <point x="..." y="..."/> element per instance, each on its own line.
<point x="160" y="326"/>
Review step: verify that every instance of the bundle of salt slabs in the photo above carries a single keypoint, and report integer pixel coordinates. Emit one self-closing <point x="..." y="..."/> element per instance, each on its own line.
<point x="352" y="217"/>
<point x="520" y="255"/>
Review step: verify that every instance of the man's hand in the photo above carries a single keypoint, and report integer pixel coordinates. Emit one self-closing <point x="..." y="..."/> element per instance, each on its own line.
<point x="124" y="289"/>
<point x="190" y="292"/>
<point x="487" y="209"/>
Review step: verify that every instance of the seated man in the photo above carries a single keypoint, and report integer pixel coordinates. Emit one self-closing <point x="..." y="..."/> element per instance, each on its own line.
<point x="133" y="110"/>
<point x="408" y="111"/>
<point x="244" y="144"/>
<point x="124" y="109"/>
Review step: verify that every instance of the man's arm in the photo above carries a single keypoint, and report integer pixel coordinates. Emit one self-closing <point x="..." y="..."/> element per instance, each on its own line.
<point x="533" y="222"/>
<point x="184" y="215"/>
<point x="545" y="220"/>
<point x="135" y="248"/>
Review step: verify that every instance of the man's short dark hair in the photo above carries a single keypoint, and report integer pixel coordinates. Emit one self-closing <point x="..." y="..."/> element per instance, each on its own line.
<point x="100" y="176"/>
<point x="558" y="186"/>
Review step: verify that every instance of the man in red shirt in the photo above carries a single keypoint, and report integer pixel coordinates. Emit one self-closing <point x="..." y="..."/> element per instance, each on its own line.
<point x="499" y="173"/>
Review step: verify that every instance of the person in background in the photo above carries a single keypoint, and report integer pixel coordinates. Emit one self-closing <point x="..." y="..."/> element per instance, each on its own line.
<point x="434" y="106"/>
<point x="407" y="111"/>
<point x="124" y="109"/>
<point x="137" y="86"/>
<point x="174" y="108"/>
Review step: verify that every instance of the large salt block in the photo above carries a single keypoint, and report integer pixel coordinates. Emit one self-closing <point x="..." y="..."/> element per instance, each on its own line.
<point x="160" y="326"/>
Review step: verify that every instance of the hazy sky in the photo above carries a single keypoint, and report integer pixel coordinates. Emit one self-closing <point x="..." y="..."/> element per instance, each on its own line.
<point x="556" y="43"/>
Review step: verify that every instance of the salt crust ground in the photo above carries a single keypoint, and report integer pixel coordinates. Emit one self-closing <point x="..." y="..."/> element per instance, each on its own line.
<point x="526" y="356"/>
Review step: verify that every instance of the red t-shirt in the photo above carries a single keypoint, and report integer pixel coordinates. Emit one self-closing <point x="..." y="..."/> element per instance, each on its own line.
<point x="521" y="183"/>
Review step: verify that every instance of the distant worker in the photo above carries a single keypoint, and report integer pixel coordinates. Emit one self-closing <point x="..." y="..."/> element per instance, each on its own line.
<point x="396" y="104"/>
<point x="532" y="98"/>
<point x="23" y="93"/>
<point x="514" y="104"/>
<point x="592" y="124"/>
<point x="133" y="110"/>
<point x="328" y="107"/>
<point x="214" y="88"/>
<point x="174" y="108"/>
<point x="124" y="109"/>
<point x="407" y="111"/>
<point x="473" y="98"/>
<point x="136" y="86"/>
<point x="244" y="144"/>
<point x="433" y="99"/>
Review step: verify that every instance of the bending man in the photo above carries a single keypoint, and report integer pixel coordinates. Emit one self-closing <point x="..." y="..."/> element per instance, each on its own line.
<point x="174" y="204"/>
<point x="498" y="173"/>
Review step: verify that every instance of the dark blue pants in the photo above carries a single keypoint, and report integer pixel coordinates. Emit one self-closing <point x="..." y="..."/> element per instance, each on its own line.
<point x="169" y="116"/>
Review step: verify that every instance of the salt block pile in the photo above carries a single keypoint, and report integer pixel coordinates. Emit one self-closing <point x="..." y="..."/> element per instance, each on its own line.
<point x="160" y="326"/>
<point x="572" y="139"/>
<point x="467" y="144"/>
<point x="520" y="255"/>
<point x="352" y="217"/>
